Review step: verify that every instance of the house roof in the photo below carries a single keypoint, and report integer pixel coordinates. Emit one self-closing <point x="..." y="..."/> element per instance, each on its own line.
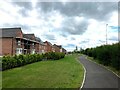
<point x="10" y="32"/>
<point x="39" y="40"/>
<point x="48" y="43"/>
<point x="64" y="49"/>
<point x="59" y="46"/>
<point x="29" y="36"/>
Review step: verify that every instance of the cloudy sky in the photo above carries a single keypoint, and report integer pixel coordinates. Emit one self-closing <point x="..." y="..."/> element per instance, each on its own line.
<point x="66" y="23"/>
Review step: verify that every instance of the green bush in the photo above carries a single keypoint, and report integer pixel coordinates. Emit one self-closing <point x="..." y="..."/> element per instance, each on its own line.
<point x="9" y="62"/>
<point x="53" y="55"/>
<point x="107" y="54"/>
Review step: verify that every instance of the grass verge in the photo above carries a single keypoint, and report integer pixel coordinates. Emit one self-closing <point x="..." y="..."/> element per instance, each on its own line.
<point x="64" y="73"/>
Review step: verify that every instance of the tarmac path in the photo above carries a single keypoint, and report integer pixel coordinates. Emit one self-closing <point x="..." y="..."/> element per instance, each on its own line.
<point x="98" y="77"/>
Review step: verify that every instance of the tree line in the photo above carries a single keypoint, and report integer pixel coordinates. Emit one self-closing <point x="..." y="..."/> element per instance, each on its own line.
<point x="108" y="55"/>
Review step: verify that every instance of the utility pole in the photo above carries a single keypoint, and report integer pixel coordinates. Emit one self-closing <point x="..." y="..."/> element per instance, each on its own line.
<point x="106" y="33"/>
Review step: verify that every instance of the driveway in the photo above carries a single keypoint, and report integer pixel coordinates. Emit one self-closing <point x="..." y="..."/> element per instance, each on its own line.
<point x="98" y="78"/>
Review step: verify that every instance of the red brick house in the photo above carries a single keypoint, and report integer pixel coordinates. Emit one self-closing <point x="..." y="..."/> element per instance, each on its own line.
<point x="15" y="42"/>
<point x="64" y="51"/>
<point x="32" y="45"/>
<point x="57" y="48"/>
<point x="48" y="46"/>
<point x="42" y="46"/>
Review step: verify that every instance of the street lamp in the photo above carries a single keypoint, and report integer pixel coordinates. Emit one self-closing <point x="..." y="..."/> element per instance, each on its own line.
<point x="106" y="33"/>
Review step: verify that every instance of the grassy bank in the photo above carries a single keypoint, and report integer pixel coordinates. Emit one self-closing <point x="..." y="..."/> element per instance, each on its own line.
<point x="0" y="80"/>
<point x="64" y="73"/>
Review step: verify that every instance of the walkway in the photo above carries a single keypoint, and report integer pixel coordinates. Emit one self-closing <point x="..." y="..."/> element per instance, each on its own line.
<point x="97" y="77"/>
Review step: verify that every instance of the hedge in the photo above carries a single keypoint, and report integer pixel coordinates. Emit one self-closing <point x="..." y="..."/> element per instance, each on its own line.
<point x="54" y="56"/>
<point x="106" y="54"/>
<point x="9" y="62"/>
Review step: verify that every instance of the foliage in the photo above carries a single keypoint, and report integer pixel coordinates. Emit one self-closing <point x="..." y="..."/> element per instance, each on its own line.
<point x="107" y="54"/>
<point x="9" y="62"/>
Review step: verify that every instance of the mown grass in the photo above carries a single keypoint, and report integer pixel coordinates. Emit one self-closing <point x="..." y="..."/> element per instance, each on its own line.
<point x="0" y="80"/>
<point x="64" y="73"/>
<point x="107" y="67"/>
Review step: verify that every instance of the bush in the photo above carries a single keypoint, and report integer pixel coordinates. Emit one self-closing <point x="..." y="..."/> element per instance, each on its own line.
<point x="53" y="55"/>
<point x="9" y="62"/>
<point x="107" y="54"/>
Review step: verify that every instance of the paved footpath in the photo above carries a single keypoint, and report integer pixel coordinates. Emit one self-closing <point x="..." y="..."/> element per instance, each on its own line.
<point x="98" y="78"/>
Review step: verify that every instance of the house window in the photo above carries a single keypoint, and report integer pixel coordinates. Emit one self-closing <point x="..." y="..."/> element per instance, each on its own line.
<point x="33" y="45"/>
<point x="18" y="51"/>
<point x="43" y="51"/>
<point x="19" y="43"/>
<point x="33" y="51"/>
<point x="60" y="50"/>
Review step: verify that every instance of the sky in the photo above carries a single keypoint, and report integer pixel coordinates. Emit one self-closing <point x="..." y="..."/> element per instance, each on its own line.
<point x="64" y="22"/>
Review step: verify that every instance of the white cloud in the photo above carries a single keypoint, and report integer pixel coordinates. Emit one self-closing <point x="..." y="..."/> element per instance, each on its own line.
<point x="56" y="19"/>
<point x="87" y="32"/>
<point x="8" y="15"/>
<point x="113" y="21"/>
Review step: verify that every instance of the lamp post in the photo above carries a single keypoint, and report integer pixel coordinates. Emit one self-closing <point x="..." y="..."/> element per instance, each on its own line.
<point x="106" y="33"/>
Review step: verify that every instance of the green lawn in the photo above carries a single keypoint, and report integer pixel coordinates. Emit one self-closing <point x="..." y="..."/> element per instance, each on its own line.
<point x="0" y="80"/>
<point x="64" y="73"/>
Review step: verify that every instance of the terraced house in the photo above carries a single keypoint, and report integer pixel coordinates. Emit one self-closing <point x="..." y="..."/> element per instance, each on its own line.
<point x="42" y="46"/>
<point x="58" y="48"/>
<point x="48" y="46"/>
<point x="14" y="41"/>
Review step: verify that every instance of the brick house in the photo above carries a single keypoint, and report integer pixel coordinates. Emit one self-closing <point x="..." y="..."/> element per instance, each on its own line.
<point x="32" y="44"/>
<point x="49" y="47"/>
<point x="53" y="48"/>
<point x="15" y="42"/>
<point x="42" y="46"/>
<point x="64" y="51"/>
<point x="57" y="48"/>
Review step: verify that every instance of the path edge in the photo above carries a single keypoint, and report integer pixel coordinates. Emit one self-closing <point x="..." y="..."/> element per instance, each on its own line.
<point x="102" y="66"/>
<point x="84" y="77"/>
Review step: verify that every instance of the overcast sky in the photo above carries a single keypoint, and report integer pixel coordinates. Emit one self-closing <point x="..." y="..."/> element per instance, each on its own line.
<point x="70" y="24"/>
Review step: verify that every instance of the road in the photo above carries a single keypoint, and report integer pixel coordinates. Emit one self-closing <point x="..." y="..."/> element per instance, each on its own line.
<point x="98" y="77"/>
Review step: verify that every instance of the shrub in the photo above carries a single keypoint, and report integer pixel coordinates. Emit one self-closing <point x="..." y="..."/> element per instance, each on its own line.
<point x="53" y="55"/>
<point x="106" y="54"/>
<point x="9" y="62"/>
